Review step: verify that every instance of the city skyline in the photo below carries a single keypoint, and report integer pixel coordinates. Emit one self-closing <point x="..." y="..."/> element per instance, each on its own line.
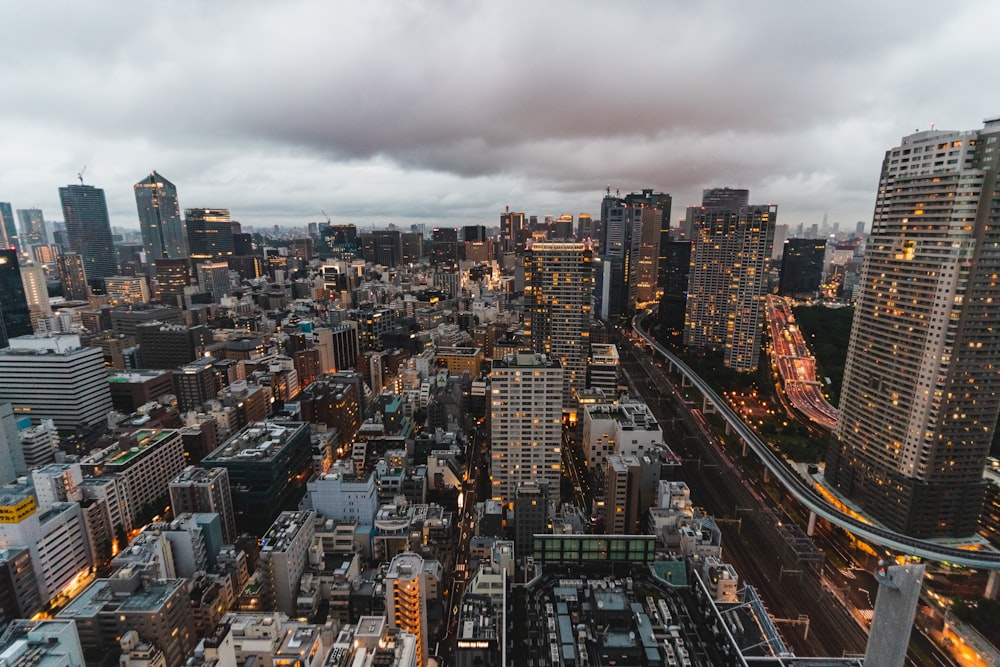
<point x="446" y="141"/>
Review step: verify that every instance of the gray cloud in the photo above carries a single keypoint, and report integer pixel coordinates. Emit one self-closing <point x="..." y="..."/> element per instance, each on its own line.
<point x="445" y="112"/>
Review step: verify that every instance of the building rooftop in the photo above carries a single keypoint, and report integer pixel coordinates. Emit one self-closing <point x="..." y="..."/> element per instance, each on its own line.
<point x="527" y="360"/>
<point x="145" y="440"/>
<point x="257" y="442"/>
<point x="136" y="377"/>
<point x="283" y="531"/>
<point x="196" y="475"/>
<point x="124" y="592"/>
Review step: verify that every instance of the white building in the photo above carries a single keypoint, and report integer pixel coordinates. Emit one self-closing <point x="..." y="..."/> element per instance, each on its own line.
<point x="39" y="444"/>
<point x="56" y="483"/>
<point x="343" y="496"/>
<point x="284" y="552"/>
<point x="56" y="539"/>
<point x="68" y="382"/>
<point x="526" y="422"/>
<point x="626" y="428"/>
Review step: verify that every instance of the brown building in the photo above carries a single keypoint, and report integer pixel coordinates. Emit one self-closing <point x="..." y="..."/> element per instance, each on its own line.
<point x="459" y="360"/>
<point x="131" y="390"/>
<point x="334" y="403"/>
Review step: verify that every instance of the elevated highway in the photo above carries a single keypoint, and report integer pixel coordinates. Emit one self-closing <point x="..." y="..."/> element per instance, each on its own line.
<point x="807" y="495"/>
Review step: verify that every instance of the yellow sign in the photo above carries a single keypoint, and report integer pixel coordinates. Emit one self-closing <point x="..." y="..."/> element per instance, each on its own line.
<point x="18" y="512"/>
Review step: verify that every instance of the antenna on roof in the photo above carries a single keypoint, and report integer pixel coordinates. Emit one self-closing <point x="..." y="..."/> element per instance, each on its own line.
<point x="80" y="173"/>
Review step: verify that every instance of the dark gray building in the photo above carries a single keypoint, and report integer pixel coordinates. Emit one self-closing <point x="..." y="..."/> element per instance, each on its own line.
<point x="163" y="232"/>
<point x="802" y="267"/>
<point x="88" y="231"/>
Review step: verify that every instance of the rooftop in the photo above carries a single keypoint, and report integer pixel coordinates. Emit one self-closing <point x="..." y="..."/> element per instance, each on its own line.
<point x="257" y="442"/>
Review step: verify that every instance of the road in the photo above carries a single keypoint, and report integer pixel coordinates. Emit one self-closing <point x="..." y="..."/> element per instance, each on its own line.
<point x="796" y="366"/>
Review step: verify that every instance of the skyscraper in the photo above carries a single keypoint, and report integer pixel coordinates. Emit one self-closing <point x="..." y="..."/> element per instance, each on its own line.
<point x="802" y="267"/>
<point x="526" y="422"/>
<point x="8" y="230"/>
<point x="36" y="292"/>
<point x="728" y="278"/>
<point x="88" y="230"/>
<point x="73" y="276"/>
<point x="209" y="233"/>
<point x="163" y="232"/>
<point x="558" y="277"/>
<point x="15" y="317"/>
<point x="921" y="383"/>
<point x="33" y="226"/>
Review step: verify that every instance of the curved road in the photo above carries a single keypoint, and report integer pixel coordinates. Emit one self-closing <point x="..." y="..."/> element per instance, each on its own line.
<point x="985" y="560"/>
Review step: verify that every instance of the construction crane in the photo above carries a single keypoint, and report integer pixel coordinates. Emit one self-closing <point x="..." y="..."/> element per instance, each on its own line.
<point x="327" y="215"/>
<point x="80" y="173"/>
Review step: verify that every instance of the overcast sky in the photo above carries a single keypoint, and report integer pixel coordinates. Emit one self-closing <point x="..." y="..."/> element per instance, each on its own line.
<point x="444" y="112"/>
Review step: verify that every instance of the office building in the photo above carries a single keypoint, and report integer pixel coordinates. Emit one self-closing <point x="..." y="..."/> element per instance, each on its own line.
<point x="12" y="461"/>
<point x="342" y="495"/>
<point x="148" y="461"/>
<point x="69" y="382"/>
<point x="8" y="228"/>
<point x="130" y="390"/>
<point x="158" y="610"/>
<point x="19" y="593"/>
<point x="630" y="489"/>
<point x="624" y="428"/>
<point x="127" y="291"/>
<point x="268" y="464"/>
<point x="526" y="422"/>
<point x="209" y="233"/>
<point x="73" y="276"/>
<point x="197" y="490"/>
<point x="406" y="599"/>
<point x="213" y="278"/>
<point x="196" y="383"/>
<point x="284" y="551"/>
<point x="530" y="515"/>
<point x="38" y="443"/>
<point x="16" y="315"/>
<point x="33" y="231"/>
<point x="802" y="267"/>
<point x="558" y="279"/>
<point x="602" y="368"/>
<point x="163" y="233"/>
<point x="172" y="277"/>
<point x="444" y="244"/>
<point x="56" y="538"/>
<point x="88" y="230"/>
<point x="921" y="393"/>
<point x="45" y="643"/>
<point x="36" y="292"/>
<point x="169" y="346"/>
<point x="675" y="265"/>
<point x="728" y="278"/>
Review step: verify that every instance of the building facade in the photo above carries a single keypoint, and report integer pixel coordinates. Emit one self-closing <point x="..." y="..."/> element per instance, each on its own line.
<point x="163" y="233"/>
<point x="921" y="386"/>
<point x="526" y="422"/>
<point x="727" y="282"/>
<point x="88" y="229"/>
<point x="558" y="280"/>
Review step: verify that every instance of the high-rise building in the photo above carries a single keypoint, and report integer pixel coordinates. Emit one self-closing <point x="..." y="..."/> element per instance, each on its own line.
<point x="73" y="276"/>
<point x="163" y="232"/>
<point x="8" y="229"/>
<point x="172" y="276"/>
<point x="209" y="233"/>
<point x="444" y="245"/>
<point x="15" y="315"/>
<point x="630" y="486"/>
<point x="33" y="231"/>
<point x="213" y="278"/>
<point x="526" y="422"/>
<point x="200" y="490"/>
<point x="921" y="389"/>
<point x="675" y="265"/>
<point x="284" y="551"/>
<point x="558" y="279"/>
<point x="127" y="290"/>
<point x="12" y="461"/>
<point x="36" y="291"/>
<point x="68" y="382"/>
<point x="802" y="267"/>
<point x="513" y="231"/>
<point x="406" y="599"/>
<point x="728" y="278"/>
<point x="88" y="230"/>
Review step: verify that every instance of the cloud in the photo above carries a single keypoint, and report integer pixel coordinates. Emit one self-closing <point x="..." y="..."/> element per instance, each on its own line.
<point x="450" y="110"/>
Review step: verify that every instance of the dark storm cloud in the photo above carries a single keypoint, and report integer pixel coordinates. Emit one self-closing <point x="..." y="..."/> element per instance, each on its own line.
<point x="451" y="110"/>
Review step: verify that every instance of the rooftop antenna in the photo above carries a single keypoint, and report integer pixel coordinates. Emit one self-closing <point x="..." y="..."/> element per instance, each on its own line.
<point x="932" y="126"/>
<point x="80" y="173"/>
